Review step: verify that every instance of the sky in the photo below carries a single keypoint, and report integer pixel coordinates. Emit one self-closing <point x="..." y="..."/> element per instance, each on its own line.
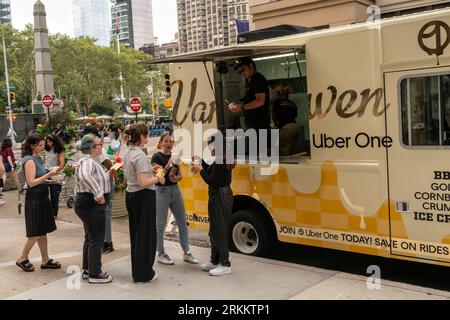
<point x="59" y="17"/>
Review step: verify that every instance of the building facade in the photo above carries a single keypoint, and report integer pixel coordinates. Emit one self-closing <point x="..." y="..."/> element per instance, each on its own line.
<point x="132" y="21"/>
<point x="5" y="11"/>
<point x="92" y="18"/>
<point x="206" y="24"/>
<point x="321" y="14"/>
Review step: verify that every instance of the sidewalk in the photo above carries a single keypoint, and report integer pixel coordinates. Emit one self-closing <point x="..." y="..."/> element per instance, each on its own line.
<point x="252" y="278"/>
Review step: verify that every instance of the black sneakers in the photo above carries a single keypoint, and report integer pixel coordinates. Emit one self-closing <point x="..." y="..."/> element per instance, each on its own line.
<point x="101" y="278"/>
<point x="108" y="247"/>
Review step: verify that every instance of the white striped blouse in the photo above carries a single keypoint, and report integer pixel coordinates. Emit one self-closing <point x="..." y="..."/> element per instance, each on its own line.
<point x="91" y="177"/>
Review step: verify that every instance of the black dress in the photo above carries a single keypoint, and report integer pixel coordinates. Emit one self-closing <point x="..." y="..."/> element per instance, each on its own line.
<point x="39" y="219"/>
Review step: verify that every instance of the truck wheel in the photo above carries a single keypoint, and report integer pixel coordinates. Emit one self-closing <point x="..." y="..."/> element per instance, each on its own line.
<point x="250" y="233"/>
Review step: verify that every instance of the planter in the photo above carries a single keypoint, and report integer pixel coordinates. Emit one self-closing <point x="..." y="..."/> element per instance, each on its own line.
<point x="119" y="208"/>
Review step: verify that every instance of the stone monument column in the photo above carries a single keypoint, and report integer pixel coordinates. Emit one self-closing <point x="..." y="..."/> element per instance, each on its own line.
<point x="44" y="70"/>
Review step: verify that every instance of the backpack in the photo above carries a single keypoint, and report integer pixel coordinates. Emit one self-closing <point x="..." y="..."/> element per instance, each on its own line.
<point x="22" y="185"/>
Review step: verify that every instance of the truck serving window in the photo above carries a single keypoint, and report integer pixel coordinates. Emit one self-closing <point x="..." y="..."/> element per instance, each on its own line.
<point x="286" y="71"/>
<point x="425" y="111"/>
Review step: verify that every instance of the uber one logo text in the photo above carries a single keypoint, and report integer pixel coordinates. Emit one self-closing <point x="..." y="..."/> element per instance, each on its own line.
<point x="374" y="281"/>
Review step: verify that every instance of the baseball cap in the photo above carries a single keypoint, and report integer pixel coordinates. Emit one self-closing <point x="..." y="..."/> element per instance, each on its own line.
<point x="243" y="61"/>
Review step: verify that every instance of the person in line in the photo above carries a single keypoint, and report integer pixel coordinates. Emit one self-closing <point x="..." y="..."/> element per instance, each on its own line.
<point x="284" y="114"/>
<point x="39" y="219"/>
<point x="220" y="206"/>
<point x="141" y="204"/>
<point x="103" y="159"/>
<point x="92" y="186"/>
<point x="54" y="158"/>
<point x="168" y="195"/>
<point x="115" y="142"/>
<point x="2" y="171"/>
<point x="8" y="161"/>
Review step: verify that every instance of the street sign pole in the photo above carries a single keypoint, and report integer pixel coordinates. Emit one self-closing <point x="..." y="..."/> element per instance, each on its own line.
<point x="11" y="126"/>
<point x="47" y="101"/>
<point x="136" y="106"/>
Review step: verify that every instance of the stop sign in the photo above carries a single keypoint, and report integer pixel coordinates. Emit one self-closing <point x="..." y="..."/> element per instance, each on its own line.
<point x="135" y="104"/>
<point x="47" y="101"/>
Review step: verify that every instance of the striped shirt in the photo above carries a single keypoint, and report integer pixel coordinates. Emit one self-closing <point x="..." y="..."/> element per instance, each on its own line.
<point x="91" y="177"/>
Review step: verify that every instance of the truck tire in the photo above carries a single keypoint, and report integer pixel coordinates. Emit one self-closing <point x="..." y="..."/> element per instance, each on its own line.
<point x="250" y="233"/>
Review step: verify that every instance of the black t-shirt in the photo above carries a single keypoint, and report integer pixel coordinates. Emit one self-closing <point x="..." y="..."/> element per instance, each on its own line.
<point x="258" y="118"/>
<point x="163" y="159"/>
<point x="284" y="112"/>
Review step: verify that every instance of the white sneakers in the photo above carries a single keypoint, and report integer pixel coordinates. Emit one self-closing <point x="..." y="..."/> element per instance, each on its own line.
<point x="165" y="259"/>
<point x="208" y="266"/>
<point x="216" y="269"/>
<point x="220" y="270"/>
<point x="189" y="258"/>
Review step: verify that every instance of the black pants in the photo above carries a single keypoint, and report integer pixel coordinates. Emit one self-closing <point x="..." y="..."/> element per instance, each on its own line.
<point x="141" y="207"/>
<point x="220" y="207"/>
<point x="55" y="190"/>
<point x="93" y="217"/>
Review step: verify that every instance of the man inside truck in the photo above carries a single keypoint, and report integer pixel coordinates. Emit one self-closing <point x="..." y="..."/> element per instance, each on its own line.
<point x="255" y="103"/>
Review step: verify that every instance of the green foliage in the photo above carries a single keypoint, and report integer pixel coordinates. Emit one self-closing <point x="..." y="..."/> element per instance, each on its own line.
<point x="69" y="170"/>
<point x="119" y="181"/>
<point x="86" y="76"/>
<point x="42" y="130"/>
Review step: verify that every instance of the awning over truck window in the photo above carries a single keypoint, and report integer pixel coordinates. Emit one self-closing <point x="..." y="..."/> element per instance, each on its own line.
<point x="229" y="53"/>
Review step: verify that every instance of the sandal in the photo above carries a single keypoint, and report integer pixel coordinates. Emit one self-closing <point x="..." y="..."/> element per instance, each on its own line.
<point x="25" y="265"/>
<point x="51" y="264"/>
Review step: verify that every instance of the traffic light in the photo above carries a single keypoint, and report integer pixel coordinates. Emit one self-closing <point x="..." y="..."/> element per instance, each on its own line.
<point x="14" y="116"/>
<point x="12" y="95"/>
<point x="168" y="103"/>
<point x="168" y="84"/>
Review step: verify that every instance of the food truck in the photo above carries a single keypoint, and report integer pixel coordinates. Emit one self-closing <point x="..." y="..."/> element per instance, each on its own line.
<point x="373" y="173"/>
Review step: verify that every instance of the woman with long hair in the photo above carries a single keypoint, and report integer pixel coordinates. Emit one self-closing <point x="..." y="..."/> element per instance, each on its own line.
<point x="141" y="204"/>
<point x="39" y="219"/>
<point x="168" y="195"/>
<point x="54" y="158"/>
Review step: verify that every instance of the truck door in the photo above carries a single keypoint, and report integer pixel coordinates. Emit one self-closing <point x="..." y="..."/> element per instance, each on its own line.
<point x="418" y="121"/>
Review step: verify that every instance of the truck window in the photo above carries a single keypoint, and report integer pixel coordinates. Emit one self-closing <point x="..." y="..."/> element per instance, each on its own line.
<point x="425" y="110"/>
<point x="281" y="70"/>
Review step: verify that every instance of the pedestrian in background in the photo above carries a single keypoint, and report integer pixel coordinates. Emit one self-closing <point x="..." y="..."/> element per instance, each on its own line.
<point x="92" y="186"/>
<point x="39" y="219"/>
<point x="8" y="160"/>
<point x="141" y="204"/>
<point x="168" y="195"/>
<point x="54" y="158"/>
<point x="115" y="142"/>
<point x="220" y="206"/>
<point x="2" y="171"/>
